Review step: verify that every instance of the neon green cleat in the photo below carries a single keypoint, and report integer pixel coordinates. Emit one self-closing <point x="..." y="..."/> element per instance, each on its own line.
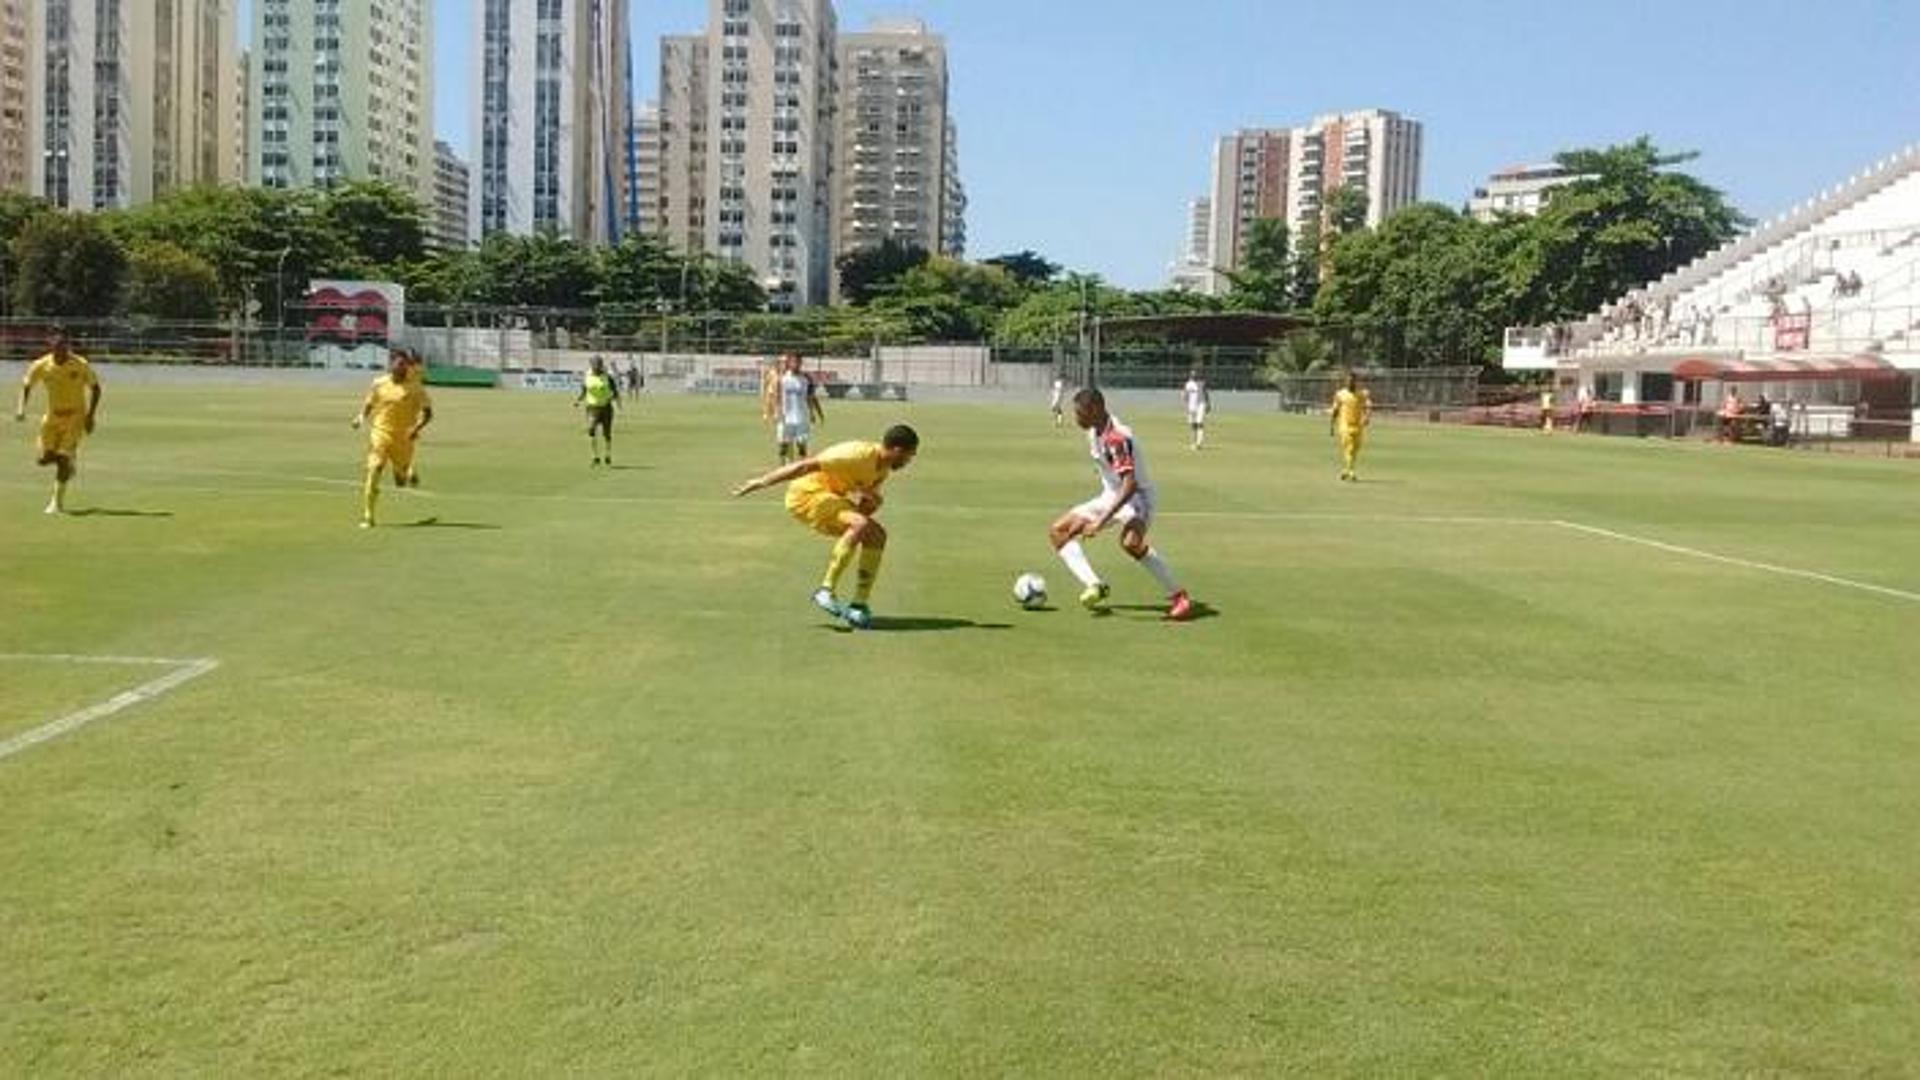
<point x="1094" y="597"/>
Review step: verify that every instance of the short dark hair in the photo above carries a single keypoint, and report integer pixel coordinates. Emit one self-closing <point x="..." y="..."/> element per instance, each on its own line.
<point x="1088" y="395"/>
<point x="900" y="437"/>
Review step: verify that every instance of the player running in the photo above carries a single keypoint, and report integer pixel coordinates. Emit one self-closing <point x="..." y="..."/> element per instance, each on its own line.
<point x="1058" y="403"/>
<point x="398" y="405"/>
<point x="1349" y="418"/>
<point x="797" y="400"/>
<point x="73" y="402"/>
<point x="601" y="392"/>
<point x="1199" y="404"/>
<point x="837" y="494"/>
<point x="1126" y="496"/>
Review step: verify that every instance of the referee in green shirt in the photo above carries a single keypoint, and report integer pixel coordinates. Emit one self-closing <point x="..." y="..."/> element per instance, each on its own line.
<point x="601" y="393"/>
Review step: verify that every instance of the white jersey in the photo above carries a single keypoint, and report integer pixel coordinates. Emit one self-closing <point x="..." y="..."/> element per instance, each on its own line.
<point x="794" y="391"/>
<point x="1196" y="394"/>
<point x="1059" y="393"/>
<point x="1116" y="453"/>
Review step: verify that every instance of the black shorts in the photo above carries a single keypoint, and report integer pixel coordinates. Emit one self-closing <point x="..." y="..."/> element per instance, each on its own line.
<point x="600" y="419"/>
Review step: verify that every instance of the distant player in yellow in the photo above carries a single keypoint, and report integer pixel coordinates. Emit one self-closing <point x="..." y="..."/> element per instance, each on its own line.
<point x="837" y="494"/>
<point x="601" y="392"/>
<point x="399" y="410"/>
<point x="73" y="400"/>
<point x="1352" y="412"/>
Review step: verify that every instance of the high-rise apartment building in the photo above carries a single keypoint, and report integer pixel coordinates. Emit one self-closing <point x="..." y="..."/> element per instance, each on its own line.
<point x="130" y="99"/>
<point x="749" y="159"/>
<point x="645" y="208"/>
<point x="452" y="200"/>
<point x="953" y="206"/>
<point x="680" y="202"/>
<point x="1193" y="270"/>
<point x="242" y="107"/>
<point x="894" y="143"/>
<point x="341" y="90"/>
<point x="1287" y="173"/>
<point x="552" y="124"/>
<point x="17" y="51"/>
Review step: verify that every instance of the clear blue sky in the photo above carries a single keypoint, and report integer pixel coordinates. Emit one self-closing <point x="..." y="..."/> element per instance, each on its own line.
<point x="1085" y="125"/>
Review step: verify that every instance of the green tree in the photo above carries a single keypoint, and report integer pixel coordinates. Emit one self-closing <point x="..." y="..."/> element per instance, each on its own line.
<point x="379" y="227"/>
<point x="1628" y="221"/>
<point x="1028" y="268"/>
<point x="1345" y="207"/>
<point x="15" y="211"/>
<point x="67" y="266"/>
<point x="544" y="271"/>
<point x="949" y="300"/>
<point x="642" y="270"/>
<point x="168" y="282"/>
<point x="1263" y="281"/>
<point x="262" y="243"/>
<point x="864" y="274"/>
<point x="720" y="285"/>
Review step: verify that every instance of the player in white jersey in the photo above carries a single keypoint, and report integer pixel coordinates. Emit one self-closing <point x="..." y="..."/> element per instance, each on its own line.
<point x="1199" y="404"/>
<point x="1126" y="496"/>
<point x="1057" y="404"/>
<point x="799" y="409"/>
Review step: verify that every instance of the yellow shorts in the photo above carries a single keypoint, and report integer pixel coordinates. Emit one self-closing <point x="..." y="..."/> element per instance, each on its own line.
<point x="1352" y="440"/>
<point x="394" y="450"/>
<point x="820" y="511"/>
<point x="60" y="434"/>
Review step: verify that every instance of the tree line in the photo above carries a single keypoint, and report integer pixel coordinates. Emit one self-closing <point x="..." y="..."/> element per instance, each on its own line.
<point x="1428" y="286"/>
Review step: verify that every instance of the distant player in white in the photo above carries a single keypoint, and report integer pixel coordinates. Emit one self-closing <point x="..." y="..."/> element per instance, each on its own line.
<point x="1199" y="404"/>
<point x="1126" y="496"/>
<point x="1058" y="404"/>
<point x="800" y="409"/>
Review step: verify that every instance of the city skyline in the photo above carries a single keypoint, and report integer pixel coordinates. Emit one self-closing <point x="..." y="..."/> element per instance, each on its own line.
<point x="1089" y="126"/>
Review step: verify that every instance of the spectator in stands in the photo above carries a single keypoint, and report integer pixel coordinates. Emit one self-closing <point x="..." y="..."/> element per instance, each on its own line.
<point x="1706" y="327"/>
<point x="1780" y="418"/>
<point x="1583" y="416"/>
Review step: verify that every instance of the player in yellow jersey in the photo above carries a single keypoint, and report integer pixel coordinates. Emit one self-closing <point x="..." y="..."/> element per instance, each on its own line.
<point x="837" y="493"/>
<point x="1352" y="412"/>
<point x="73" y="401"/>
<point x="398" y="408"/>
<point x="601" y="392"/>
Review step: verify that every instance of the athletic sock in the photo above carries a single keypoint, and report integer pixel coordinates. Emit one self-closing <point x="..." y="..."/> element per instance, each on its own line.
<point x="60" y="494"/>
<point x="843" y="552"/>
<point x="1075" y="557"/>
<point x="1161" y="572"/>
<point x="370" y="495"/>
<point x="868" y="573"/>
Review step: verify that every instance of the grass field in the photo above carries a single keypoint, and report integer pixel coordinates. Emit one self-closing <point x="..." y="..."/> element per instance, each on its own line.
<point x="560" y="771"/>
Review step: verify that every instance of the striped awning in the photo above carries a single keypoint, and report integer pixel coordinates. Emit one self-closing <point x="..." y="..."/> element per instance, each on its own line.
<point x="1864" y="366"/>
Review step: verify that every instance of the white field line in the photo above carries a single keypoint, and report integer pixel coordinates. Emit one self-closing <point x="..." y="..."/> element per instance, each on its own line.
<point x="1744" y="564"/>
<point x="184" y="671"/>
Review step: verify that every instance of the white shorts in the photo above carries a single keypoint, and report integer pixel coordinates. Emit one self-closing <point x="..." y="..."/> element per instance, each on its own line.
<point x="793" y="433"/>
<point x="1197" y="417"/>
<point x="1139" y="508"/>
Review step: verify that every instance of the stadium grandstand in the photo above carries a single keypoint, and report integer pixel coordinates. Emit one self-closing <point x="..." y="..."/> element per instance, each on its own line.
<point x="1817" y="309"/>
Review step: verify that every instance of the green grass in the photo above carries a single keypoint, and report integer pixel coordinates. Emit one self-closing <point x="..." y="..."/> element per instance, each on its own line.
<point x="589" y="786"/>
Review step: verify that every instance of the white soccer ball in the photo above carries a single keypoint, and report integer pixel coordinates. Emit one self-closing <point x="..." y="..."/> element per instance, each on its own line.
<point x="1030" y="590"/>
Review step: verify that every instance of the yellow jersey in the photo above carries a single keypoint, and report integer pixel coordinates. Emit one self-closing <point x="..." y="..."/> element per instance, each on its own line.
<point x="598" y="389"/>
<point x="1351" y="409"/>
<point x="395" y="407"/>
<point x="844" y="468"/>
<point x="67" y="384"/>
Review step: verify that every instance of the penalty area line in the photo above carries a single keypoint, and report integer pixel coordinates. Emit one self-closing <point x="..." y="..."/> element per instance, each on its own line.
<point x="184" y="671"/>
<point x="1744" y="564"/>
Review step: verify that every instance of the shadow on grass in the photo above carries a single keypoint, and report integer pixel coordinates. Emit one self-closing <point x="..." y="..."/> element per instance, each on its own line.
<point x="630" y="468"/>
<point x="1200" y="611"/>
<point x="436" y="523"/>
<point x="919" y="624"/>
<point x="102" y="511"/>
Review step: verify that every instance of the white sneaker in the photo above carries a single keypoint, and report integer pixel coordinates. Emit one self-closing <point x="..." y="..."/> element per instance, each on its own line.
<point x="54" y="507"/>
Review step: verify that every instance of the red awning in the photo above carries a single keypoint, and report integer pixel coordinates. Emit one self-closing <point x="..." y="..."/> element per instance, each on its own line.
<point x="1863" y="367"/>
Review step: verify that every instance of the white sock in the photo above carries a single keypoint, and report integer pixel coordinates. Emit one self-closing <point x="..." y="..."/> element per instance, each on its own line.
<point x="1075" y="557"/>
<point x="1161" y="572"/>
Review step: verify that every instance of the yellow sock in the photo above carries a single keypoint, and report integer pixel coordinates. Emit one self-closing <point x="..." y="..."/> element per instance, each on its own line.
<point x="869" y="573"/>
<point x="843" y="550"/>
<point x="370" y="495"/>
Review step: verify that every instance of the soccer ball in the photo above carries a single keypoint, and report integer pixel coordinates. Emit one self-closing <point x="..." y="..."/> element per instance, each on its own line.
<point x="1030" y="590"/>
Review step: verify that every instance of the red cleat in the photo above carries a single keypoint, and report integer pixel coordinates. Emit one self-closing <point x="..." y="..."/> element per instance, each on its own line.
<point x="1181" y="609"/>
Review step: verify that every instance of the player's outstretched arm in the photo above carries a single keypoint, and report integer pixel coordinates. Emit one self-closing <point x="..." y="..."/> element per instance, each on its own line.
<point x="20" y="407"/>
<point x="93" y="406"/>
<point x="781" y="475"/>
<point x="426" y="417"/>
